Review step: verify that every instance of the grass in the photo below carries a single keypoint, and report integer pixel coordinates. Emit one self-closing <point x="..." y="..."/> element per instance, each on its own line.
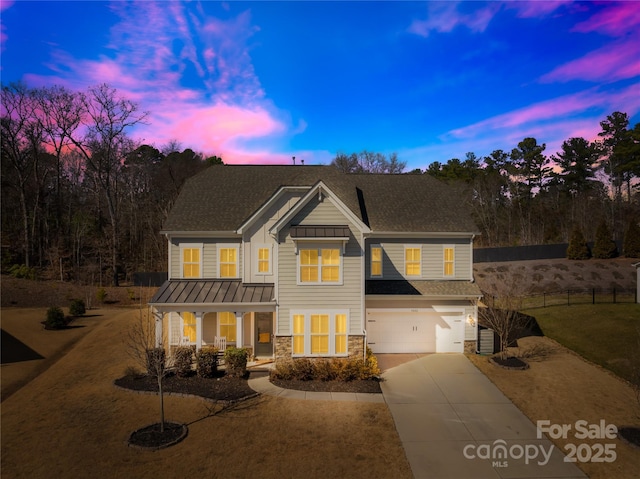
<point x="606" y="334"/>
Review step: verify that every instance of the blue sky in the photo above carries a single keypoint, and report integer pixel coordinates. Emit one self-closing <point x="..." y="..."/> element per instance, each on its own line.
<point x="260" y="82"/>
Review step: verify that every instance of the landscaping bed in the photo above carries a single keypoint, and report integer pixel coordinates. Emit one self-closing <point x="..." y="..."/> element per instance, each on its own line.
<point x="356" y="386"/>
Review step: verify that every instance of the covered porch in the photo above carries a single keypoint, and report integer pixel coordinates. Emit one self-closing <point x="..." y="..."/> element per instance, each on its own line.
<point x="219" y="313"/>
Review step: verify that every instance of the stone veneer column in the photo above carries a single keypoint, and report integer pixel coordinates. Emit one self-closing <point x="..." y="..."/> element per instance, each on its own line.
<point x="355" y="347"/>
<point x="283" y="346"/>
<point x="470" y="347"/>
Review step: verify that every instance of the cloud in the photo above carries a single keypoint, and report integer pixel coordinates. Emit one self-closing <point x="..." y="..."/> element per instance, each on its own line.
<point x="617" y="19"/>
<point x="4" y="4"/>
<point x="535" y="9"/>
<point x="192" y="72"/>
<point x="443" y="17"/>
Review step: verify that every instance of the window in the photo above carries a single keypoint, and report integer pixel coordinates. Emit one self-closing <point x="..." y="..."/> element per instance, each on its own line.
<point x="189" y="327"/>
<point x="449" y="260"/>
<point x="264" y="260"/>
<point x="376" y="261"/>
<point x="319" y="265"/>
<point x="191" y="262"/>
<point x="298" y="334"/>
<point x="228" y="262"/>
<point x="319" y="333"/>
<point x="227" y="326"/>
<point x="412" y="261"/>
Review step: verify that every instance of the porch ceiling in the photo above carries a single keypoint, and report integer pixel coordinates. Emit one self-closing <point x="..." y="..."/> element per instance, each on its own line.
<point x="195" y="291"/>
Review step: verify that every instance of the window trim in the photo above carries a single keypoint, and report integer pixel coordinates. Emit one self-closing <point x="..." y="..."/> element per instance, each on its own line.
<point x="332" y="313"/>
<point x="371" y="247"/>
<point x="256" y="263"/>
<point x="444" y="261"/>
<point x="235" y="246"/>
<point x="404" y="259"/>
<point x="319" y="247"/>
<point x="198" y="246"/>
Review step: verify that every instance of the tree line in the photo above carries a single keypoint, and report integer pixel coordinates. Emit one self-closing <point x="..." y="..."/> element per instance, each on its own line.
<point x="81" y="199"/>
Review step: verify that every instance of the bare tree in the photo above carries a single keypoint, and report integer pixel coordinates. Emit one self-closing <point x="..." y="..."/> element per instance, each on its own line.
<point x="143" y="347"/>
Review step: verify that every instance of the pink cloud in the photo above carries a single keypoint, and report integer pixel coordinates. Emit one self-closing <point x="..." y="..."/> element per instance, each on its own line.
<point x="443" y="17"/>
<point x="4" y="4"/>
<point x="534" y="9"/>
<point x="616" y="19"/>
<point x="615" y="61"/>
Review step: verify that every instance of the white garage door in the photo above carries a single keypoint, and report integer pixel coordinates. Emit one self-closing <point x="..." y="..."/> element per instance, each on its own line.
<point x="401" y="331"/>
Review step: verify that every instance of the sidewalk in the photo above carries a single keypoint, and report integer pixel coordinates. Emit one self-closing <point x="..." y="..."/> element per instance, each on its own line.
<point x="264" y="386"/>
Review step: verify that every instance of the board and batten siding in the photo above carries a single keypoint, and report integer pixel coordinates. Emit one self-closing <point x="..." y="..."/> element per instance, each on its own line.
<point x="258" y="234"/>
<point x="340" y="297"/>
<point x="432" y="266"/>
<point x="209" y="255"/>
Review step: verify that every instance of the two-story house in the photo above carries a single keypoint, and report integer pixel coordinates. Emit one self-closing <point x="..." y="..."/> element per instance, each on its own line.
<point x="305" y="261"/>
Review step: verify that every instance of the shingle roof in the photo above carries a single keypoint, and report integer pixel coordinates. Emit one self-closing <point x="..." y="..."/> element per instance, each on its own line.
<point x="193" y="291"/>
<point x="222" y="198"/>
<point x="422" y="288"/>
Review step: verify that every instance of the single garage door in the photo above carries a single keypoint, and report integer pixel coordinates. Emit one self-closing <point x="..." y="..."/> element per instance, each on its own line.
<point x="406" y="331"/>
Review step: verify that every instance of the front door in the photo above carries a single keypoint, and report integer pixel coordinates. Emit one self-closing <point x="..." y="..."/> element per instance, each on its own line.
<point x="264" y="334"/>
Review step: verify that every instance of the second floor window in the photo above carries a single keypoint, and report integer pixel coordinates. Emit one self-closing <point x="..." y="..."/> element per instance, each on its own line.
<point x="319" y="265"/>
<point x="412" y="261"/>
<point x="376" y="261"/>
<point x="264" y="260"/>
<point x="191" y="262"/>
<point x="228" y="262"/>
<point x="449" y="261"/>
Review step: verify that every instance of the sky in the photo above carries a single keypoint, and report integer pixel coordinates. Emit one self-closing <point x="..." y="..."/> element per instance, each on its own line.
<point x="261" y="82"/>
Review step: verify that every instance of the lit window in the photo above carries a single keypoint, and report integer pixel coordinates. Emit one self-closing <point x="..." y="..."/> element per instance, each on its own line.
<point x="191" y="262"/>
<point x="448" y="261"/>
<point x="227" y="326"/>
<point x="319" y="266"/>
<point x="228" y="259"/>
<point x="376" y="261"/>
<point x="189" y="326"/>
<point x="412" y="261"/>
<point x="319" y="334"/>
<point x="341" y="334"/>
<point x="298" y="334"/>
<point x="264" y="260"/>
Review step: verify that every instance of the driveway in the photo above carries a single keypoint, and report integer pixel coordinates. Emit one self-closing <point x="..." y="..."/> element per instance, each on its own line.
<point x="454" y="423"/>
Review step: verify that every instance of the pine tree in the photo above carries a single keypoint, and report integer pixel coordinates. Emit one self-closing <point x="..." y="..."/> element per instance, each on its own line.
<point x="631" y="245"/>
<point x="604" y="247"/>
<point x="578" y="248"/>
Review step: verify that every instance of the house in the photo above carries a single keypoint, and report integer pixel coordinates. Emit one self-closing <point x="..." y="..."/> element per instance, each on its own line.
<point x="305" y="261"/>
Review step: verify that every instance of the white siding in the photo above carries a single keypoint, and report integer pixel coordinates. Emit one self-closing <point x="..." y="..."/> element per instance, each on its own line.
<point x="346" y="296"/>
<point x="209" y="255"/>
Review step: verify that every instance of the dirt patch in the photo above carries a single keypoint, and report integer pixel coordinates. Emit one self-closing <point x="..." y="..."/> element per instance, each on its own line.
<point x="563" y="388"/>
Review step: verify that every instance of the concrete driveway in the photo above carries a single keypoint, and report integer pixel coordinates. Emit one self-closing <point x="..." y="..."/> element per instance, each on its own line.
<point x="454" y="423"/>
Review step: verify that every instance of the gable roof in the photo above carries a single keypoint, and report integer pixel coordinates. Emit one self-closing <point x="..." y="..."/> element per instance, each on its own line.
<point x="222" y="198"/>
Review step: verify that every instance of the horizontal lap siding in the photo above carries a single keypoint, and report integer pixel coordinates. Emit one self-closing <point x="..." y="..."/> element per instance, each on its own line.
<point x="347" y="296"/>
<point x="209" y="255"/>
<point x="432" y="258"/>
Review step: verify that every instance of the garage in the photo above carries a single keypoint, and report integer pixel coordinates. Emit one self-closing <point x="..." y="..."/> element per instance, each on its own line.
<point x="415" y="331"/>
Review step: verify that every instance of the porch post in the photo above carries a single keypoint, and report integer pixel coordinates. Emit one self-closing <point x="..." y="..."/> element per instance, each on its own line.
<point x="199" y="315"/>
<point x="239" y="329"/>
<point x="158" y="318"/>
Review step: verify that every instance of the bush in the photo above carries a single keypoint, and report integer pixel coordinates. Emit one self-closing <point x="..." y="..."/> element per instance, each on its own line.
<point x="182" y="360"/>
<point x="156" y="361"/>
<point x="371" y="364"/>
<point x="631" y="246"/>
<point x="577" y="248"/>
<point x="335" y="369"/>
<point x="207" y="362"/>
<point x="236" y="361"/>
<point x="77" y="307"/>
<point x="604" y="246"/>
<point x="101" y="294"/>
<point x="55" y="318"/>
<point x="22" y="271"/>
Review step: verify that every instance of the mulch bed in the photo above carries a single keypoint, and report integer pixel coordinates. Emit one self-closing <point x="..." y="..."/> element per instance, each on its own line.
<point x="153" y="438"/>
<point x="509" y="363"/>
<point x="356" y="386"/>
<point x="221" y="388"/>
<point x="630" y="434"/>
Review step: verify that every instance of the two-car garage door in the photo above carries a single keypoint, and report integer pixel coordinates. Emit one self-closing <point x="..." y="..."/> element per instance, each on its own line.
<point x="415" y="331"/>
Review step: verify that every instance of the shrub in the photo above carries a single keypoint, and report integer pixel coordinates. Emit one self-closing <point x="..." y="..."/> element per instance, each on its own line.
<point x="22" y="271"/>
<point x="55" y="318"/>
<point x="340" y="369"/>
<point x="131" y="294"/>
<point x="207" y="362"/>
<point x="631" y="246"/>
<point x="577" y="248"/>
<point x="101" y="295"/>
<point x="182" y="360"/>
<point x="236" y="361"/>
<point x="156" y="361"/>
<point x="77" y="307"/>
<point x="604" y="246"/>
<point x="371" y="364"/>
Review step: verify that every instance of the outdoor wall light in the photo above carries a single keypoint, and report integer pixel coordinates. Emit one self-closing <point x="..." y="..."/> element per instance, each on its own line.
<point x="471" y="320"/>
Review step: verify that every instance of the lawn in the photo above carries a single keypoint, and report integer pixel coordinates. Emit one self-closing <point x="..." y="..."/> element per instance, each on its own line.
<point x="606" y="334"/>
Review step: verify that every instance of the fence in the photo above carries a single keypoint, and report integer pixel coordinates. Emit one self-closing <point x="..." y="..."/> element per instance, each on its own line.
<point x="573" y="296"/>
